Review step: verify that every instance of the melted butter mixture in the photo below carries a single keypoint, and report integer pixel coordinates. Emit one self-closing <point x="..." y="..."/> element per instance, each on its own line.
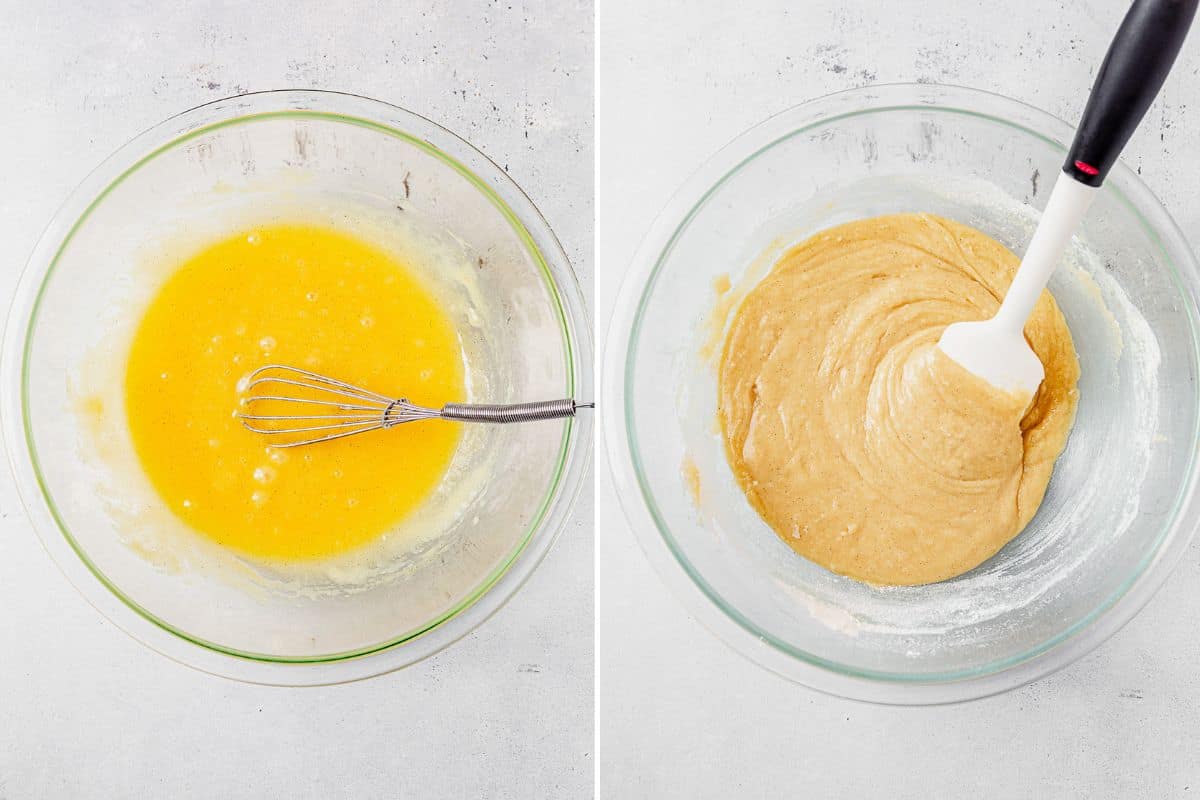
<point x="861" y="444"/>
<point x="308" y="297"/>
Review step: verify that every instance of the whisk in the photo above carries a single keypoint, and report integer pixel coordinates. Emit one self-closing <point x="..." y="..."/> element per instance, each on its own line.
<point x="321" y="409"/>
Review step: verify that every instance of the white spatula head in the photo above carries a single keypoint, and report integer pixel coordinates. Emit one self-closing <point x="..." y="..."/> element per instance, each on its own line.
<point x="996" y="353"/>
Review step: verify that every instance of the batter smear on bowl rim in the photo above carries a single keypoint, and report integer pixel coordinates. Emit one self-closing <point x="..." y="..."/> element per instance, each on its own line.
<point x="866" y="448"/>
<point x="318" y="299"/>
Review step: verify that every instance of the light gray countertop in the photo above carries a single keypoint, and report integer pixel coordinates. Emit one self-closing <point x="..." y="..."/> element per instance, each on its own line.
<point x="680" y="714"/>
<point x="85" y="711"/>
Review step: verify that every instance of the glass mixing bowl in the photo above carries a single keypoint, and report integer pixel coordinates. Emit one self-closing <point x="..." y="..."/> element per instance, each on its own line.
<point x="1122" y="503"/>
<point x="351" y="163"/>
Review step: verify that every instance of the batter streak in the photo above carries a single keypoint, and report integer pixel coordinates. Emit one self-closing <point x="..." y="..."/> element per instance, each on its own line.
<point x="862" y="445"/>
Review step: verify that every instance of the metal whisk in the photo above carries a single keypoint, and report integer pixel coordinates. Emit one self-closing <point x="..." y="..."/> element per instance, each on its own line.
<point x="327" y="409"/>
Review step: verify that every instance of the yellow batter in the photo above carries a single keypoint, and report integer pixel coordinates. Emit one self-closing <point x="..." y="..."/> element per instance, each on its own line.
<point x="862" y="445"/>
<point x="312" y="298"/>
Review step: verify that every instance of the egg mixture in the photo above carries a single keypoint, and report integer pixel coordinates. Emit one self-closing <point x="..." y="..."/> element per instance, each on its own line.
<point x="308" y="297"/>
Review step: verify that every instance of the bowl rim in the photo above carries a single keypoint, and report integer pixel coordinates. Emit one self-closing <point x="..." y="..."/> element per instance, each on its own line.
<point x="637" y="497"/>
<point x="485" y="598"/>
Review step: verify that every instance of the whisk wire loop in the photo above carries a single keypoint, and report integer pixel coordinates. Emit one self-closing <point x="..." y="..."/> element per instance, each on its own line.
<point x="338" y="409"/>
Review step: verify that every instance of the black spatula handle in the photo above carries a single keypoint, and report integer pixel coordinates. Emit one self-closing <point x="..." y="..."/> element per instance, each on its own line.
<point x="1137" y="63"/>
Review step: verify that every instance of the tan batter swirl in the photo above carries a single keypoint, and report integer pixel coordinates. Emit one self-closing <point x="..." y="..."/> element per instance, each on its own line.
<point x="859" y="442"/>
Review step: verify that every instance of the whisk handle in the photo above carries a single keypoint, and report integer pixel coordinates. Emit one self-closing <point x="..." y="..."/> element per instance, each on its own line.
<point x="517" y="412"/>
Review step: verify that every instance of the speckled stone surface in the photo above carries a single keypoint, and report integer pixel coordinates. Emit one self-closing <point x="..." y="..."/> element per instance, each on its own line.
<point x="85" y="711"/>
<point x="681" y="715"/>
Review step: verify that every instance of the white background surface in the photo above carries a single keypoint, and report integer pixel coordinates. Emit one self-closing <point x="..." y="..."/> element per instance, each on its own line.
<point x="680" y="715"/>
<point x="87" y="712"/>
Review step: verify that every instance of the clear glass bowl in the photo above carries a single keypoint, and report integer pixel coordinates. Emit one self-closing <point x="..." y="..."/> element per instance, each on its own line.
<point x="1122" y="503"/>
<point x="352" y="163"/>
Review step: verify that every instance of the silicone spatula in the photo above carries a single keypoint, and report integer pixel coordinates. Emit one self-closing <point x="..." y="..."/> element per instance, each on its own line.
<point x="1133" y="71"/>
